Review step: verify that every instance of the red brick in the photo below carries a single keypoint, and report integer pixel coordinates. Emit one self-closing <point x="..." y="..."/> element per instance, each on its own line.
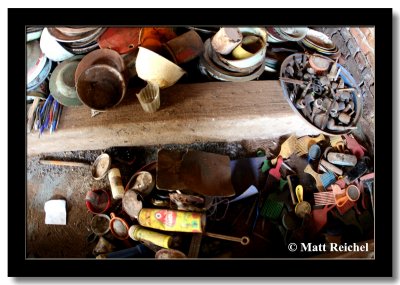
<point x="371" y="41"/>
<point x="372" y="31"/>
<point x="342" y="60"/>
<point x="345" y="34"/>
<point x="351" y="66"/>
<point x="372" y="90"/>
<point x="368" y="77"/>
<point x="330" y="31"/>
<point x="352" y="46"/>
<point x="361" y="61"/>
<point x="341" y="44"/>
<point x="357" y="35"/>
<point x="365" y="48"/>
<point x="371" y="59"/>
<point x="365" y="31"/>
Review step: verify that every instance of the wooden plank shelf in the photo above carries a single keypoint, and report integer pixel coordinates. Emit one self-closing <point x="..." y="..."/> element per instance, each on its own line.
<point x="198" y="112"/>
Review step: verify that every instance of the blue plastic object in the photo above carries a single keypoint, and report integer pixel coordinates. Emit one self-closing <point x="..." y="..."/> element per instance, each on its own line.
<point x="327" y="179"/>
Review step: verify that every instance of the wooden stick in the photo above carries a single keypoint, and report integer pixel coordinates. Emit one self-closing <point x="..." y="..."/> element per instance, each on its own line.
<point x="64" y="163"/>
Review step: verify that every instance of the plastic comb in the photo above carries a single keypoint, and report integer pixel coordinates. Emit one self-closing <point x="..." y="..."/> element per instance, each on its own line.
<point x="287" y="148"/>
<point x="304" y="143"/>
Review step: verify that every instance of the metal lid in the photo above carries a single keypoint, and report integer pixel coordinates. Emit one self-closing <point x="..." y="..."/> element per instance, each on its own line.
<point x="62" y="82"/>
<point x="101" y="166"/>
<point x="131" y="204"/>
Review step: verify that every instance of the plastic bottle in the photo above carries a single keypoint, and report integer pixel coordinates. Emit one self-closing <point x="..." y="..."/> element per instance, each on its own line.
<point x="139" y="233"/>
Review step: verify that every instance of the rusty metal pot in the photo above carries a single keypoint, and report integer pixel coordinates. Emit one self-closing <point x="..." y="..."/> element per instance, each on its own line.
<point x="101" y="87"/>
<point x="101" y="56"/>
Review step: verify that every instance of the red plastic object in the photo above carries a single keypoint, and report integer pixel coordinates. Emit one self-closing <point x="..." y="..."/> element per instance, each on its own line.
<point x="122" y="40"/>
<point x="355" y="148"/>
<point x="275" y="171"/>
<point x="320" y="217"/>
<point x="98" y="201"/>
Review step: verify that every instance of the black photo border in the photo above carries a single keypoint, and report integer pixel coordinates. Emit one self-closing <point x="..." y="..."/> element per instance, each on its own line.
<point x="18" y="265"/>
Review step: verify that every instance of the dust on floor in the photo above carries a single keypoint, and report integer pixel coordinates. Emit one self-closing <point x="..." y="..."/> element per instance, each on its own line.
<point x="46" y="182"/>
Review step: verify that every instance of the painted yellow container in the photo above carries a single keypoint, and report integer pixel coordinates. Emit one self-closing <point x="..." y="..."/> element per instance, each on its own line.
<point x="139" y="233"/>
<point x="117" y="189"/>
<point x="172" y="220"/>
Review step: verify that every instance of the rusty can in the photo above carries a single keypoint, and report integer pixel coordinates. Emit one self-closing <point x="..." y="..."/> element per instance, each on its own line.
<point x="172" y="220"/>
<point x="117" y="190"/>
<point x="185" y="47"/>
<point x="139" y="233"/>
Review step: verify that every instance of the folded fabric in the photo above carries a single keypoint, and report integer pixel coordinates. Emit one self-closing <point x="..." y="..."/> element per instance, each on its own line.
<point x="56" y="213"/>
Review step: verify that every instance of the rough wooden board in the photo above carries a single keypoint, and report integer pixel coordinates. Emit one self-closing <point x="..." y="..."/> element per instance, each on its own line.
<point x="212" y="111"/>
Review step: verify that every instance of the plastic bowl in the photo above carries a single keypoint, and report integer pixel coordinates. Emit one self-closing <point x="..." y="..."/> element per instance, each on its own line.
<point x="155" y="68"/>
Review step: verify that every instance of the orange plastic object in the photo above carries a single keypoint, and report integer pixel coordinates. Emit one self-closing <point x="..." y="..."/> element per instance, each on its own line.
<point x="153" y="38"/>
<point x="122" y="40"/>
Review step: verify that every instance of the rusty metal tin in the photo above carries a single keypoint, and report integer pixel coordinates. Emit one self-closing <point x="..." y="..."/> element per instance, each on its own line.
<point x="101" y="166"/>
<point x="101" y="87"/>
<point x="122" y="40"/>
<point x="185" y="47"/>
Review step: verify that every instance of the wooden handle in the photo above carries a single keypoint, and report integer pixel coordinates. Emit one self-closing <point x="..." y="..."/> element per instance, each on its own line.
<point x="64" y="163"/>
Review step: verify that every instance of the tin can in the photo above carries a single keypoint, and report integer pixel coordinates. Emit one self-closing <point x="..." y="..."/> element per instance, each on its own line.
<point x="139" y="233"/>
<point x="172" y="220"/>
<point x="117" y="190"/>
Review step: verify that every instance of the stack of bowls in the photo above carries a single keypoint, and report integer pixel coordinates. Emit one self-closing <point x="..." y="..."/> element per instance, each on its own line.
<point x="278" y="35"/>
<point x="246" y="62"/>
<point x="319" y="42"/>
<point x="77" y="40"/>
<point x="101" y="79"/>
<point x="38" y="66"/>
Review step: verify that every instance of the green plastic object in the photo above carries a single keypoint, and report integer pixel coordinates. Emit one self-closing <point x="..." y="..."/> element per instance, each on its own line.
<point x="271" y="209"/>
<point x="266" y="166"/>
<point x="260" y="152"/>
<point x="282" y="183"/>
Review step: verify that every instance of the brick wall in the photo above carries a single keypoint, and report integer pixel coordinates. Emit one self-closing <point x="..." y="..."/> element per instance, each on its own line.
<point x="357" y="46"/>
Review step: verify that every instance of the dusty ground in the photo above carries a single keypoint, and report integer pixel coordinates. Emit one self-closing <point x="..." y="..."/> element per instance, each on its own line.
<point x="45" y="182"/>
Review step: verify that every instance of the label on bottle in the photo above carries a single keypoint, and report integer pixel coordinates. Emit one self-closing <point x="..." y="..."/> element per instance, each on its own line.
<point x="171" y="220"/>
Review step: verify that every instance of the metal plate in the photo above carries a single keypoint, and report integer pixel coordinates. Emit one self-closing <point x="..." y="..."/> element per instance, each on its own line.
<point x="206" y="173"/>
<point x="89" y="36"/>
<point x="62" y="83"/>
<point x="41" y="77"/>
